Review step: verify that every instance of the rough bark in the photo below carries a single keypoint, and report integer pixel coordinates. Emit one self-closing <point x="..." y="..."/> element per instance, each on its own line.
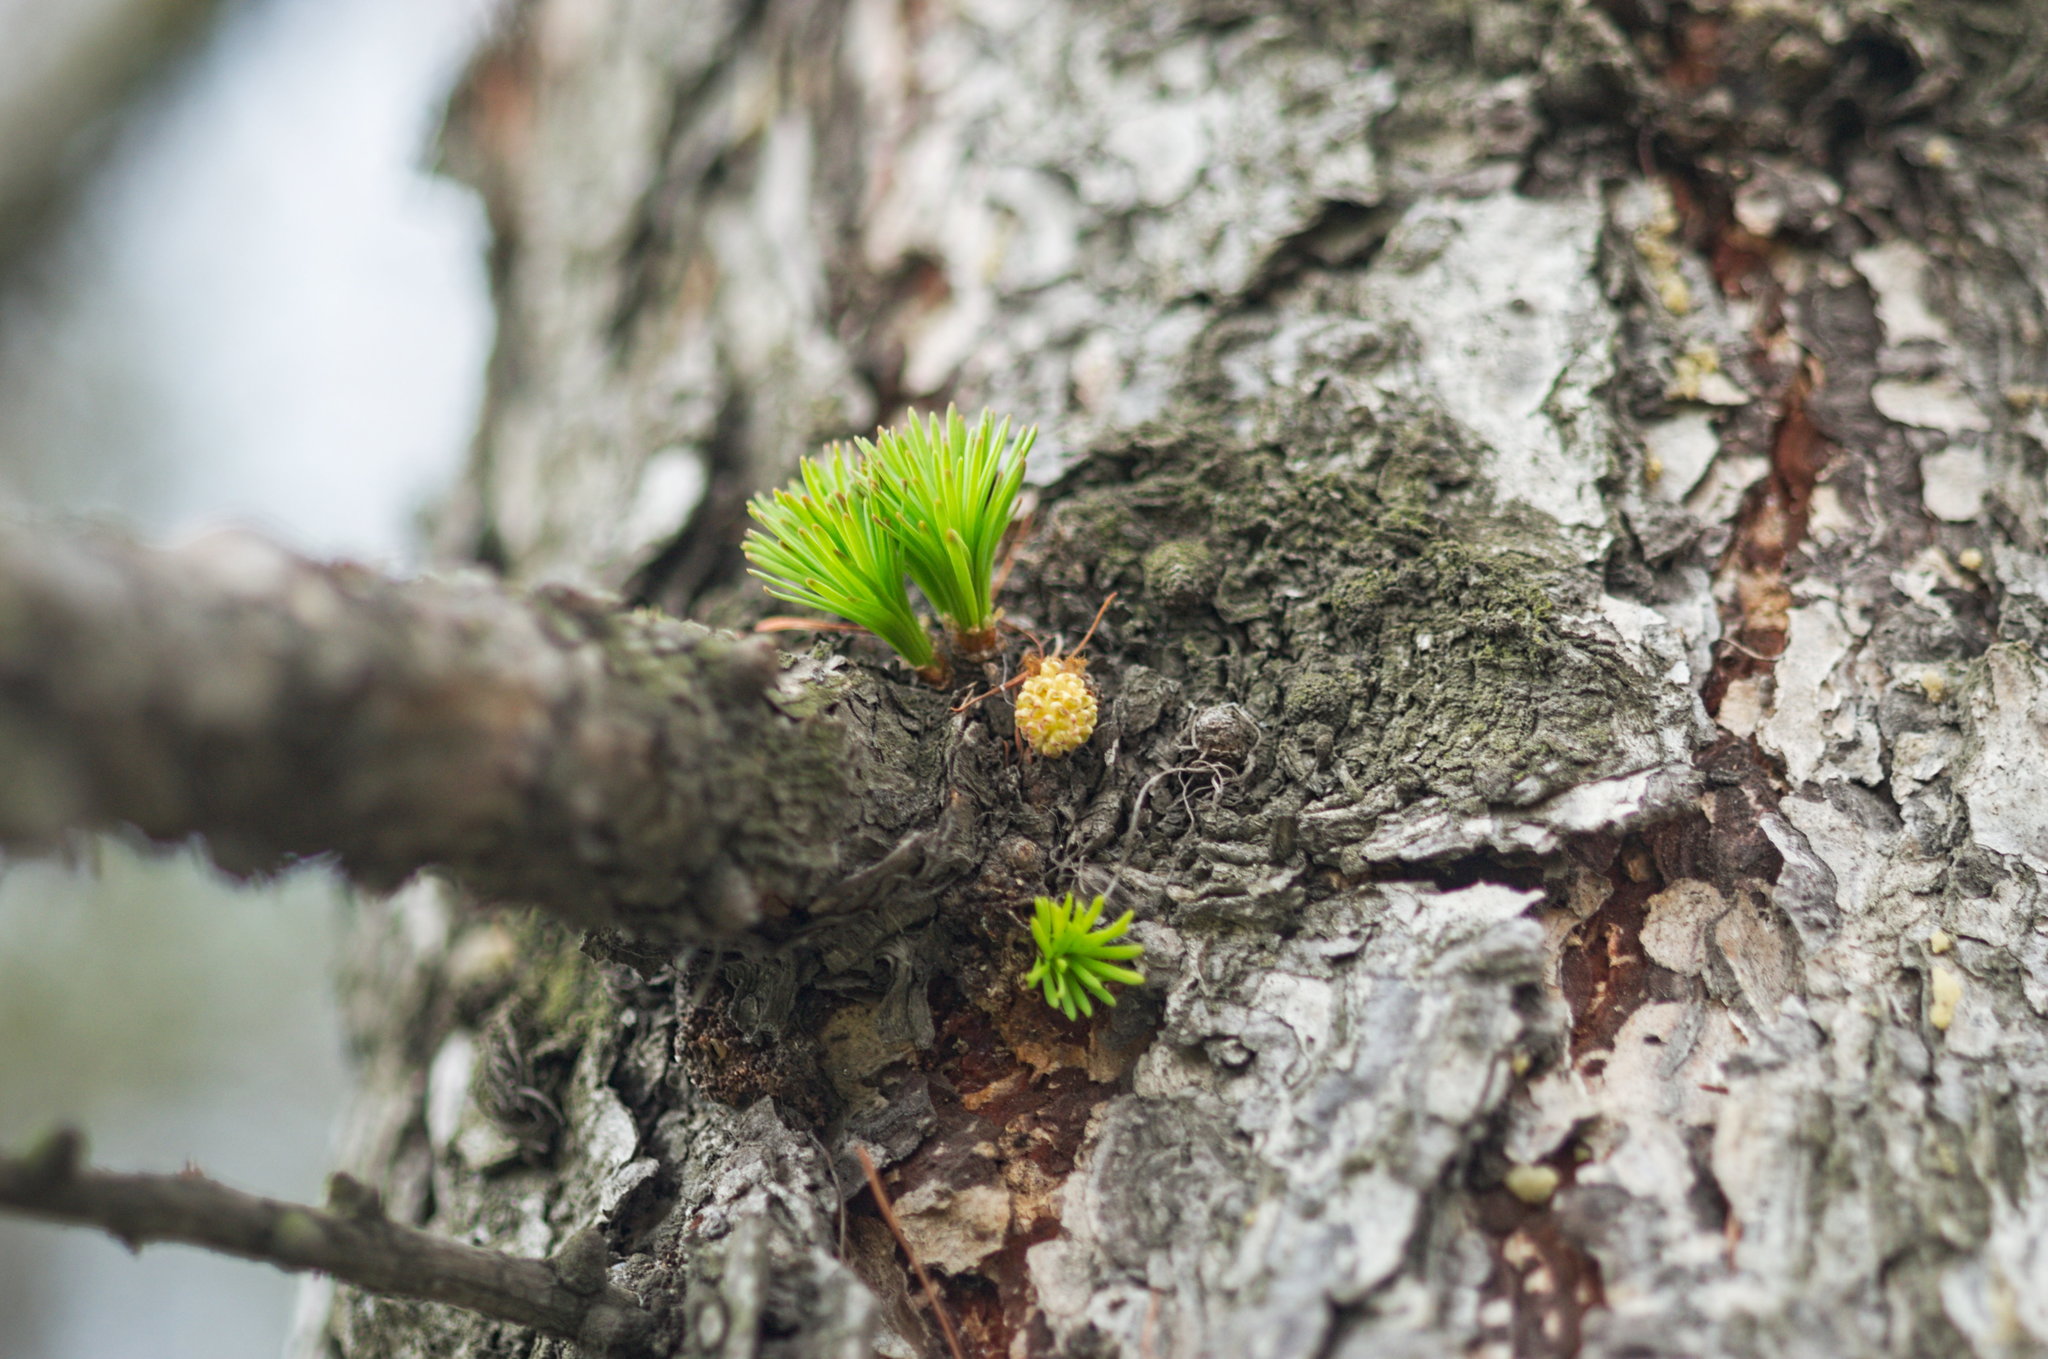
<point x="617" y="768"/>
<point x="1573" y="729"/>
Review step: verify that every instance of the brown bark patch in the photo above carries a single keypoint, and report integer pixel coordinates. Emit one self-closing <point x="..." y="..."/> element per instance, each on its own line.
<point x="1014" y="1086"/>
<point x="1605" y="973"/>
<point x="724" y="1064"/>
<point x="1770" y="528"/>
<point x="1548" y="1281"/>
<point x="1696" y="58"/>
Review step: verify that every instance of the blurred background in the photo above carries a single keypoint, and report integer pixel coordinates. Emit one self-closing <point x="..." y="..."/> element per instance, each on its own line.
<point x="236" y="298"/>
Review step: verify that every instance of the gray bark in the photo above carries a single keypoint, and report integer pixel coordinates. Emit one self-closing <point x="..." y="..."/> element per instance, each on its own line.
<point x="1573" y="726"/>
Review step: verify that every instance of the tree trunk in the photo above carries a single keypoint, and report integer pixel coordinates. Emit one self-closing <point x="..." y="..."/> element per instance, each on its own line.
<point x="1573" y="720"/>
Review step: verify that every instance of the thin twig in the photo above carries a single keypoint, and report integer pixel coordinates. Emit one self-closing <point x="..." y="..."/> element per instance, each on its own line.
<point x="1145" y="1350"/>
<point x="978" y="699"/>
<point x="1096" y="622"/>
<point x="791" y="623"/>
<point x="931" y="1291"/>
<point x="567" y="1296"/>
<point x="838" y="1189"/>
<point x="1030" y="667"/>
<point x="1734" y="645"/>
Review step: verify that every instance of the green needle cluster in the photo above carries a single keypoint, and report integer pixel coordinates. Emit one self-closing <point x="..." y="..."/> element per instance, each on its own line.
<point x="949" y="491"/>
<point x="827" y="548"/>
<point x="1075" y="959"/>
<point x="930" y="500"/>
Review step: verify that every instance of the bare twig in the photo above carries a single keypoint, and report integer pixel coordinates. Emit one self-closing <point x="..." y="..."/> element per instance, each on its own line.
<point x="790" y="623"/>
<point x="566" y="1296"/>
<point x="1754" y="655"/>
<point x="931" y="1291"/>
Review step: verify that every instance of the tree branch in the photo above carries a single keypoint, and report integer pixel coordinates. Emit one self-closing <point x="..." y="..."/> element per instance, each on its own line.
<point x="64" y="68"/>
<point x="565" y="1296"/>
<point x="617" y="768"/>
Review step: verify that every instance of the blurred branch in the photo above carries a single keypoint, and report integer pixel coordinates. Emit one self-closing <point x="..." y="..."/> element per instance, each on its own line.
<point x="64" y="66"/>
<point x="617" y="768"/>
<point x="566" y="1296"/>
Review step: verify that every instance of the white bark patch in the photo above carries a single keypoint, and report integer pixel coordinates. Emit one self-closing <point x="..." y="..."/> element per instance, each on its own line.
<point x="1742" y="706"/>
<point x="2003" y="919"/>
<point x="1164" y="149"/>
<point x="621" y="1183"/>
<point x="671" y="480"/>
<point x="1656" y="1083"/>
<point x="1429" y="830"/>
<point x="955" y="1230"/>
<point x="1897" y="274"/>
<point x="2000" y="1299"/>
<point x="1198" y="165"/>
<point x="1652" y="635"/>
<point x="1511" y="339"/>
<point x="609" y="1137"/>
<point x="1720" y="492"/>
<point x="2004" y="780"/>
<point x="1674" y="929"/>
<point x="454" y="1123"/>
<point x="1766" y="1194"/>
<point x="1348" y="1067"/>
<point x="1807" y="699"/>
<point x="1845" y="845"/>
<point x="1830" y="520"/>
<point x="1935" y="403"/>
<point x="1758" y="953"/>
<point x="1954" y="482"/>
<point x="1683" y="446"/>
<point x="448" y="1087"/>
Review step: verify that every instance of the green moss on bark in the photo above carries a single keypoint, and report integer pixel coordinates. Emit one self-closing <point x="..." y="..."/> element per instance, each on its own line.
<point x="1366" y="604"/>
